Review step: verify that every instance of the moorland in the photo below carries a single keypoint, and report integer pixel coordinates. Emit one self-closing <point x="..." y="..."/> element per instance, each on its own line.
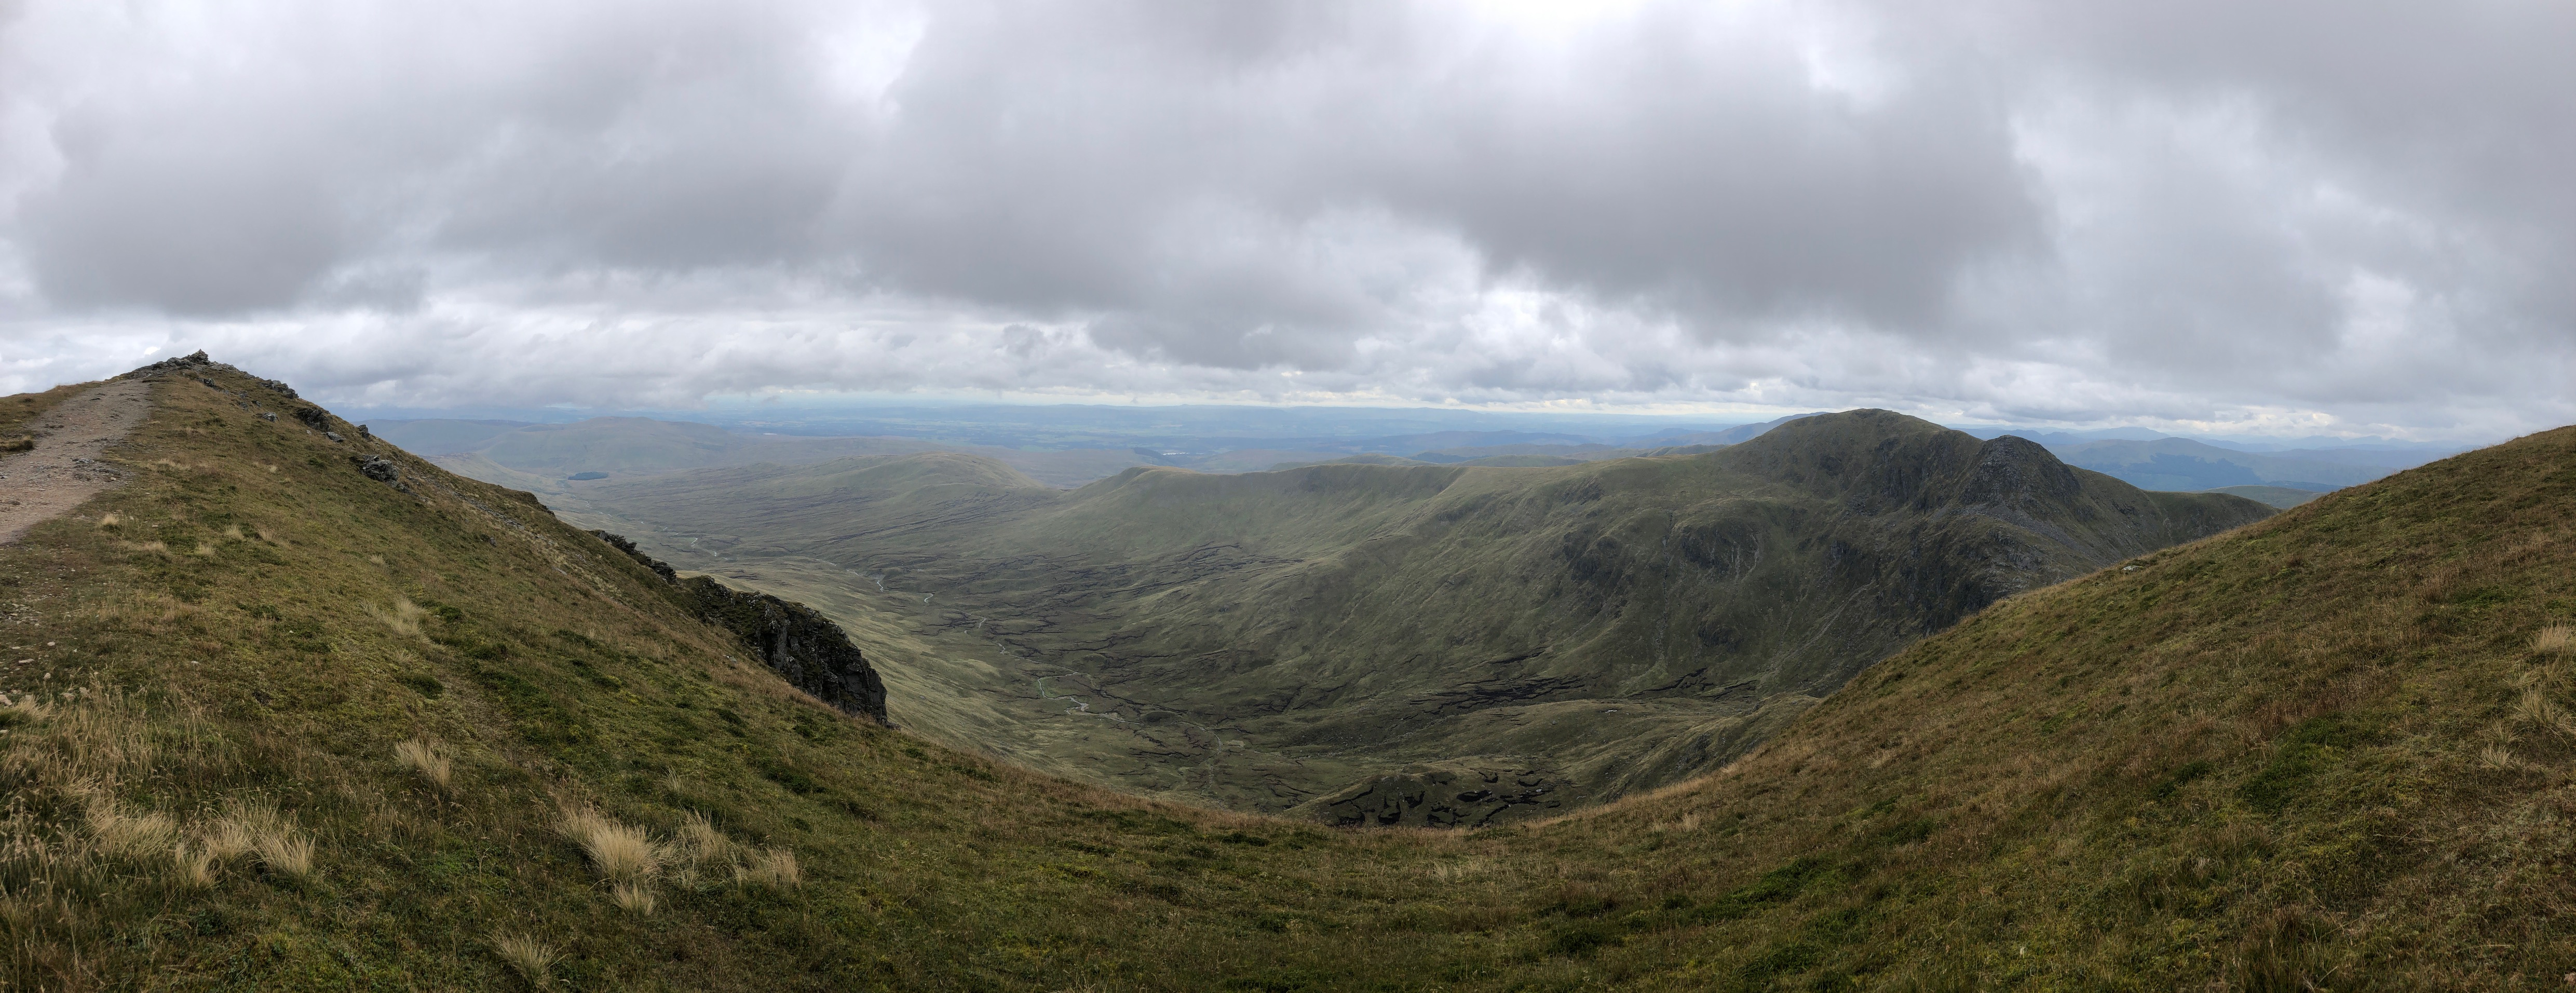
<point x="274" y="722"/>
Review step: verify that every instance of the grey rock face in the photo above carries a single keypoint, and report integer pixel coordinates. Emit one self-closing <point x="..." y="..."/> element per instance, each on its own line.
<point x="268" y="416"/>
<point x="378" y="468"/>
<point x="333" y="435"/>
<point x="313" y="417"/>
<point x="619" y="542"/>
<point x="807" y="649"/>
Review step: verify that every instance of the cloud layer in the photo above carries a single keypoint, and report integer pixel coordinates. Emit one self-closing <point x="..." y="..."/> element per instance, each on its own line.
<point x="2281" y="217"/>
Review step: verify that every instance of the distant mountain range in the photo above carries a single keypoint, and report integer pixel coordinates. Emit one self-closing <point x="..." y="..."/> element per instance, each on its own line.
<point x="1281" y="640"/>
<point x="542" y="456"/>
<point x="2183" y="464"/>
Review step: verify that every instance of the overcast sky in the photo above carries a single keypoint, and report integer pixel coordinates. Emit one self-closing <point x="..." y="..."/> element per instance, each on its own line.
<point x="2285" y="217"/>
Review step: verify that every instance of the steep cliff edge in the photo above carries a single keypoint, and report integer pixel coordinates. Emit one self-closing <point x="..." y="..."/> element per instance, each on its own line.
<point x="808" y="650"/>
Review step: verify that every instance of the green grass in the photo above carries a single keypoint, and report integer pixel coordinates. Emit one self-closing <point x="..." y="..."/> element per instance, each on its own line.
<point x="1285" y="640"/>
<point x="2322" y="752"/>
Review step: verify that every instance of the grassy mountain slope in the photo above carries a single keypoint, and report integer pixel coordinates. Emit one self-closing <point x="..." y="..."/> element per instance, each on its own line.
<point x="1270" y="640"/>
<point x="200" y="752"/>
<point x="2331" y="751"/>
<point x="2281" y="497"/>
<point x="2328" y="751"/>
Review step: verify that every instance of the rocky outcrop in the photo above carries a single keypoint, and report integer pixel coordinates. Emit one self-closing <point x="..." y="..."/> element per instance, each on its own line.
<point x="807" y="649"/>
<point x="380" y="469"/>
<point x="1444" y="795"/>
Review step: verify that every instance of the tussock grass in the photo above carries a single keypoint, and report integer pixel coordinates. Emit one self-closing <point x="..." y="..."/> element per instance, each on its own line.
<point x="426" y="759"/>
<point x="533" y="960"/>
<point x="771" y="867"/>
<point x="257" y="830"/>
<point x="621" y="854"/>
<point x="289" y="854"/>
<point x="403" y="617"/>
<point x="698" y="846"/>
<point x="130" y="836"/>
<point x="633" y="897"/>
<point x="111" y="520"/>
<point x="2535" y="707"/>
<point x="196" y="867"/>
<point x="2556" y="639"/>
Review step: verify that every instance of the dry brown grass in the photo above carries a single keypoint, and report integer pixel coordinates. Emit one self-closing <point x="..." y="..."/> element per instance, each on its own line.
<point x="1465" y="870"/>
<point x="2536" y="708"/>
<point x="621" y="853"/>
<point x="196" y="866"/>
<point x="428" y="760"/>
<point x="699" y="841"/>
<point x="2556" y="639"/>
<point x="633" y="898"/>
<point x="403" y="617"/>
<point x="126" y="835"/>
<point x="533" y="960"/>
<point x="110" y="520"/>
<point x="771" y="867"/>
<point x="258" y="830"/>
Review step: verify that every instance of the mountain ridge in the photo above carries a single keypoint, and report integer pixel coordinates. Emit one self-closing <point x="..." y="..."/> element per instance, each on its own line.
<point x="2328" y="750"/>
<point x="1307" y="611"/>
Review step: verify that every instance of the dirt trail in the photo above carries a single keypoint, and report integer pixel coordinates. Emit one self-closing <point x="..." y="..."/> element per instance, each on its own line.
<point x="65" y="467"/>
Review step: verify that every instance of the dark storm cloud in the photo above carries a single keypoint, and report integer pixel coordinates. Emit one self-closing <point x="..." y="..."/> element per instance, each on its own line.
<point x="2276" y="215"/>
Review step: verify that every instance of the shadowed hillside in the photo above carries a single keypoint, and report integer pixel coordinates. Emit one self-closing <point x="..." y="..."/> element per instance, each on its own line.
<point x="1538" y="638"/>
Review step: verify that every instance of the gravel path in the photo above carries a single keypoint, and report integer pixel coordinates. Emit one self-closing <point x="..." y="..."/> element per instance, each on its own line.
<point x="65" y="467"/>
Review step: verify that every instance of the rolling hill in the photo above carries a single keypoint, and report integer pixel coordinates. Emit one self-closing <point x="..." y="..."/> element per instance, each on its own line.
<point x="2326" y="751"/>
<point x="1319" y="639"/>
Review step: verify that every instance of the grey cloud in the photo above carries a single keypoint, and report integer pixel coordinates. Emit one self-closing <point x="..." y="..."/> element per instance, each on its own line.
<point x="2085" y="211"/>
